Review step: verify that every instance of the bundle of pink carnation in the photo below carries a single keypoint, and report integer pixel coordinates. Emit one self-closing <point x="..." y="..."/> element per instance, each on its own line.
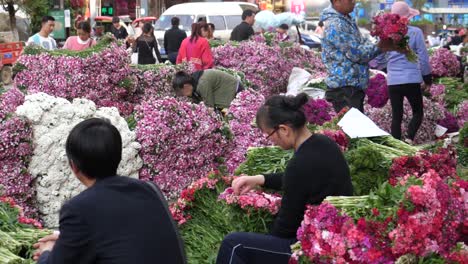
<point x="393" y="27"/>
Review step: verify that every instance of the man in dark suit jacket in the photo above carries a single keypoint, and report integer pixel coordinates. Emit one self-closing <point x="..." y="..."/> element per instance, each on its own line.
<point x="116" y="219"/>
<point x="172" y="39"/>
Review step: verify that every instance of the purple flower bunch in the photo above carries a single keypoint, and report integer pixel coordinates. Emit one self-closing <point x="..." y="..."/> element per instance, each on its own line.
<point x="104" y="77"/>
<point x="267" y="67"/>
<point x="462" y="114"/>
<point x="377" y="91"/>
<point x="444" y="63"/>
<point x="241" y="116"/>
<point x="450" y="122"/>
<point x="9" y="101"/>
<point x="15" y="152"/>
<point x="433" y="112"/>
<point x="180" y="142"/>
<point x="318" y="111"/>
<point x="437" y="92"/>
<point x="155" y="81"/>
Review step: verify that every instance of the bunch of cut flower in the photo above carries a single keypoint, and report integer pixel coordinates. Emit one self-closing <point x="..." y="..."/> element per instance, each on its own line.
<point x="419" y="218"/>
<point x="180" y="142"/>
<point x="17" y="233"/>
<point x="101" y="74"/>
<point x="270" y="159"/>
<point x="318" y="111"/>
<point x="369" y="161"/>
<point x="267" y="67"/>
<point x="241" y="115"/>
<point x="15" y="152"/>
<point x="392" y="27"/>
<point x="444" y="63"/>
<point x="455" y="92"/>
<point x="462" y="146"/>
<point x="377" y="91"/>
<point x="202" y="217"/>
<point x="155" y="80"/>
<point x="253" y="201"/>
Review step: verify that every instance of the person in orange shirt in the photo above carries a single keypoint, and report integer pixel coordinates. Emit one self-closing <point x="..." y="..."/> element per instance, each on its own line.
<point x="196" y="49"/>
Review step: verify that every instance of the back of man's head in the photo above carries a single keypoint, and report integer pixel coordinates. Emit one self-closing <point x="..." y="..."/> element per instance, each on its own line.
<point x="175" y="21"/>
<point x="247" y="13"/>
<point x="94" y="146"/>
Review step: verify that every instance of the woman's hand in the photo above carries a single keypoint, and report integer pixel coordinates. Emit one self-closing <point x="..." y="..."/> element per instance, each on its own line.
<point x="245" y="183"/>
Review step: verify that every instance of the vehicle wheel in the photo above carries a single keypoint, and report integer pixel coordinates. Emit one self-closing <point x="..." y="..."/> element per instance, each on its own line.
<point x="6" y="75"/>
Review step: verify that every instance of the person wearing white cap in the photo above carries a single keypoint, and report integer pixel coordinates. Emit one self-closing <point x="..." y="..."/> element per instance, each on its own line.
<point x="404" y="78"/>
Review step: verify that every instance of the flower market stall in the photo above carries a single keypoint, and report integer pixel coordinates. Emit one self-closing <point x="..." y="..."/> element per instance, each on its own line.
<point x="410" y="203"/>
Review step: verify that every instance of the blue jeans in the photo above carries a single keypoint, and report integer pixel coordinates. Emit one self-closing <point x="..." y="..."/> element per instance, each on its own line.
<point x="245" y="248"/>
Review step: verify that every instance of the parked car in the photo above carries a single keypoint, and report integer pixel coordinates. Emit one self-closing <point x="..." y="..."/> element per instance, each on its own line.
<point x="224" y="15"/>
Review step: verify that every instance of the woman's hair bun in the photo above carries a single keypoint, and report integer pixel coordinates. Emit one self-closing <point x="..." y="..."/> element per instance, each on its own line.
<point x="295" y="102"/>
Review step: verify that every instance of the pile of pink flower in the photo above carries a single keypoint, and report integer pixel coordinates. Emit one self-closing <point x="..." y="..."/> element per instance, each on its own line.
<point x="241" y="116"/>
<point x="104" y="77"/>
<point x="430" y="219"/>
<point x="433" y="112"/>
<point x="180" y="142"/>
<point x="444" y="161"/>
<point x="444" y="63"/>
<point x="437" y="93"/>
<point x="15" y="152"/>
<point x="187" y="198"/>
<point x="254" y="200"/>
<point x="462" y="114"/>
<point x="377" y="91"/>
<point x="318" y="111"/>
<point x="267" y="67"/>
<point x="338" y="136"/>
<point x="155" y="81"/>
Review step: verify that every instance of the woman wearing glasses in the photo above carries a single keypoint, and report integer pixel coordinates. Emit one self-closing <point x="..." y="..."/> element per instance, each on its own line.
<point x="318" y="169"/>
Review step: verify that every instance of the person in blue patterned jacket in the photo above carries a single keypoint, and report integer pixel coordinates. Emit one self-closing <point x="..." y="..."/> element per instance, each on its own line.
<point x="346" y="55"/>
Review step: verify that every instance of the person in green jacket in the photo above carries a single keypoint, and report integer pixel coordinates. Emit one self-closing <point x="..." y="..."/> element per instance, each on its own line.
<point x="215" y="88"/>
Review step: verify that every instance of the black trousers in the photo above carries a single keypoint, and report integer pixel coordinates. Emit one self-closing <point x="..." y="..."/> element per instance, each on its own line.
<point x="347" y="96"/>
<point x="246" y="248"/>
<point x="412" y="92"/>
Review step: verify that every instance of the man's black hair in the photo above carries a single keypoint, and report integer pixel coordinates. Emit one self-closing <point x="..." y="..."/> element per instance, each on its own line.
<point x="284" y="26"/>
<point x="46" y="19"/>
<point x="180" y="79"/>
<point x="94" y="146"/>
<point x="247" y="13"/>
<point x="175" y="21"/>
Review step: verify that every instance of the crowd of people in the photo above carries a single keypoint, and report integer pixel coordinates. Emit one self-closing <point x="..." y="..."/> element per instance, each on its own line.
<point x="120" y="220"/>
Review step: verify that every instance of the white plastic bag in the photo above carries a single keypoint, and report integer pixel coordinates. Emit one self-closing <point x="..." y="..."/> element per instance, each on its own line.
<point x="297" y="79"/>
<point x="134" y="58"/>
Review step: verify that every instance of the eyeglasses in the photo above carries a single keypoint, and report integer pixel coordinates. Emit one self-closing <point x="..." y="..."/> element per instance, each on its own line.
<point x="271" y="134"/>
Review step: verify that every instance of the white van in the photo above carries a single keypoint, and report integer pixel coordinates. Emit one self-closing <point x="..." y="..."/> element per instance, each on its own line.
<point x="224" y="15"/>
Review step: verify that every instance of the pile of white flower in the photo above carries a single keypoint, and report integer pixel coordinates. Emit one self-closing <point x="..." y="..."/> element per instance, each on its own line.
<point x="52" y="119"/>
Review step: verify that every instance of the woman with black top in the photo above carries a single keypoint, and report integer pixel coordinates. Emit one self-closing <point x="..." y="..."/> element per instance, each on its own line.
<point x="145" y="44"/>
<point x="318" y="169"/>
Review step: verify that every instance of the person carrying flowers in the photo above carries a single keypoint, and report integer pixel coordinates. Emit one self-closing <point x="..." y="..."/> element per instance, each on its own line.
<point x="346" y="55"/>
<point x="404" y="77"/>
<point x="215" y="88"/>
<point x="318" y="169"/>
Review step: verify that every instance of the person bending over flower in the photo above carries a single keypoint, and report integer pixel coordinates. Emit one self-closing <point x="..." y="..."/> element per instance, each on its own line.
<point x="214" y="87"/>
